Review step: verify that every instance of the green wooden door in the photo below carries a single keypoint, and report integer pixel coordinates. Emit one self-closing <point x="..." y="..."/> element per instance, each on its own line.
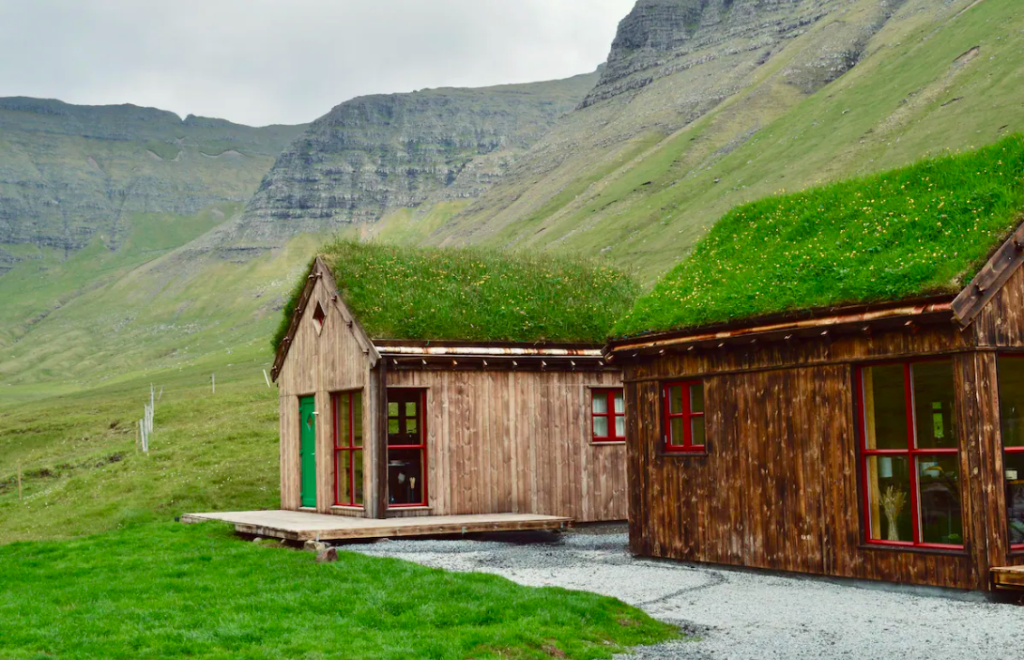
<point x="307" y="449"/>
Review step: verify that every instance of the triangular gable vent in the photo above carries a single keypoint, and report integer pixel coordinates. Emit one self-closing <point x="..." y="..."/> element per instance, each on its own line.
<point x="319" y="316"/>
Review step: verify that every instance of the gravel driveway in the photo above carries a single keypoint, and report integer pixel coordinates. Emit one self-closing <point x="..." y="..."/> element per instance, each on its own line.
<point x="739" y="615"/>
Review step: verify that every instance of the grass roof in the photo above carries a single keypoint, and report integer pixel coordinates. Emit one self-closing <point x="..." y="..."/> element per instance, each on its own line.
<point x="474" y="295"/>
<point x="907" y="233"/>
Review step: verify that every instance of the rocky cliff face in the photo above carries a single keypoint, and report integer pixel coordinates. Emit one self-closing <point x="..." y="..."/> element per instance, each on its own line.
<point x="377" y="154"/>
<point x="69" y="173"/>
<point x="662" y="37"/>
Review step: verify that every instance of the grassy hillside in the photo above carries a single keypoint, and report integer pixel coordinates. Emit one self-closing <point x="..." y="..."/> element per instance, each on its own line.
<point x="81" y="470"/>
<point x="936" y="76"/>
<point x="921" y="230"/>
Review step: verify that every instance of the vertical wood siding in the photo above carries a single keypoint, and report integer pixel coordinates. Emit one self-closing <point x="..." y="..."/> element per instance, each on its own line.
<point x="778" y="488"/>
<point x="320" y="364"/>
<point x="517" y="442"/>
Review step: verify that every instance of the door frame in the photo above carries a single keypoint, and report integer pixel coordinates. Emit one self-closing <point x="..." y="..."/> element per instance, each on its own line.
<point x="422" y="447"/>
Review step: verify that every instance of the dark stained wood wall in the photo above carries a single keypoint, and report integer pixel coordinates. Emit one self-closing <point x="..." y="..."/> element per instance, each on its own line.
<point x="779" y="486"/>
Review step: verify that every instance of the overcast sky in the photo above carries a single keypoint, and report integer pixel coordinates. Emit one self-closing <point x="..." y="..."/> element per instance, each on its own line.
<point x="289" y="61"/>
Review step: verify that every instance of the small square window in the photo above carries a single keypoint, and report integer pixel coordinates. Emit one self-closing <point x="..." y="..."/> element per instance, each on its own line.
<point x="319" y="316"/>
<point x="683" y="407"/>
<point x="608" y="415"/>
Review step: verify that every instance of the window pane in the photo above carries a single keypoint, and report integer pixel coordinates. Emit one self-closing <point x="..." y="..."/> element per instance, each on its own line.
<point x="939" y="481"/>
<point x="933" y="404"/>
<point x="1011" y="400"/>
<point x="1013" y="466"/>
<point x="600" y="402"/>
<point x="620" y="426"/>
<point x="357" y="457"/>
<point x="344" y="492"/>
<point x="392" y="409"/>
<point x="392" y="426"/>
<point x="889" y="502"/>
<point x="411" y="428"/>
<point x="620" y="403"/>
<point x="600" y="427"/>
<point x="405" y="476"/>
<point x="676" y="431"/>
<point x="410" y="409"/>
<point x="357" y="419"/>
<point x="885" y="407"/>
<point x="675" y="399"/>
<point x="697" y="428"/>
<point x="343" y="421"/>
<point x="697" y="398"/>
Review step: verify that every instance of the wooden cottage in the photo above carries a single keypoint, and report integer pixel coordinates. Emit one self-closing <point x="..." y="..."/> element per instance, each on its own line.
<point x="833" y="383"/>
<point x="448" y="382"/>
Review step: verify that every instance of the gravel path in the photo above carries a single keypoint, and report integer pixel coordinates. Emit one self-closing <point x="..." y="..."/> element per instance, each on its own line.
<point x="739" y="615"/>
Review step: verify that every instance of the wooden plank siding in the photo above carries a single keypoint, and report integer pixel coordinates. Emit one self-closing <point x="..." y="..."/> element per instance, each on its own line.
<point x="319" y="364"/>
<point x="517" y="442"/>
<point x="778" y="488"/>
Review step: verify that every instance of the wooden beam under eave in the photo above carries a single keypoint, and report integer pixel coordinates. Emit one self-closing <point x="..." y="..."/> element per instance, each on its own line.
<point x="990" y="279"/>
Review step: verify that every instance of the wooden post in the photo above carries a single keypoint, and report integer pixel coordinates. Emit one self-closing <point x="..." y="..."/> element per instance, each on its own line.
<point x="19" y="480"/>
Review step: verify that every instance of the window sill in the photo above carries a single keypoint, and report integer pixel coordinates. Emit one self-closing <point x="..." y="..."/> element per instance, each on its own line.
<point x="606" y="443"/>
<point x="348" y="507"/>
<point x="413" y="507"/>
<point x="1016" y="551"/>
<point x="684" y="454"/>
<point x="917" y="549"/>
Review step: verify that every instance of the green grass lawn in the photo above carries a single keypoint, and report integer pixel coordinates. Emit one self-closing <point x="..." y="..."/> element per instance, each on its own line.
<point x="163" y="590"/>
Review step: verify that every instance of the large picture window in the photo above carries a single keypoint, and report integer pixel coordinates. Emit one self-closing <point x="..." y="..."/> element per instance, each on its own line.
<point x="683" y="405"/>
<point x="608" y="413"/>
<point x="348" y="448"/>
<point x="1011" y="415"/>
<point x="910" y="455"/>
<point x="407" y="448"/>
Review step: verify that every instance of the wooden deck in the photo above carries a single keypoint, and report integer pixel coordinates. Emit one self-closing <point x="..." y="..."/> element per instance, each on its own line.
<point x="1009" y="577"/>
<point x="302" y="526"/>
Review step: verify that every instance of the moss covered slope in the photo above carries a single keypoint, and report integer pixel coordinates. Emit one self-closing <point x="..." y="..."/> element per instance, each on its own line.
<point x="921" y="230"/>
<point x="475" y="295"/>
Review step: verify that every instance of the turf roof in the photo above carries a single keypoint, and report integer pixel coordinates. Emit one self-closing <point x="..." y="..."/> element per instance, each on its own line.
<point x="474" y="294"/>
<point x="907" y="233"/>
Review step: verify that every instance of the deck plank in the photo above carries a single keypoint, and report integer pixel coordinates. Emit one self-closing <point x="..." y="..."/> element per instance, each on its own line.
<point x="302" y="526"/>
<point x="1008" y="577"/>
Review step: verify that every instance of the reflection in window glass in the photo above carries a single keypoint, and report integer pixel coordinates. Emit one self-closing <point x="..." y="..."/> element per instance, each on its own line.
<point x="889" y="498"/>
<point x="1011" y="414"/>
<point x="933" y="404"/>
<point x="885" y="407"/>
<point x="601" y="427"/>
<point x="620" y="403"/>
<point x="600" y="403"/>
<point x="697" y="399"/>
<point x="675" y="399"/>
<point x="939" y="482"/>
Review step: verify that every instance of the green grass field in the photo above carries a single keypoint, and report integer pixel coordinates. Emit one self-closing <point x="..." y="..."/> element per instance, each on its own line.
<point x="169" y="590"/>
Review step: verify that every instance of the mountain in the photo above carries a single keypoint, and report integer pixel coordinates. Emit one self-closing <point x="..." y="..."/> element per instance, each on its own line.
<point x="71" y="173"/>
<point x="375" y="155"/>
<point x="707" y="104"/>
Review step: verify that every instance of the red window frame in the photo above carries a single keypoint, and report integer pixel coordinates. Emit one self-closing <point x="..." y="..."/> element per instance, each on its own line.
<point x="1015" y="547"/>
<point x="687" y="415"/>
<point x="611" y="415"/>
<point x="347" y="452"/>
<point x="912" y="453"/>
<point x="421" y="425"/>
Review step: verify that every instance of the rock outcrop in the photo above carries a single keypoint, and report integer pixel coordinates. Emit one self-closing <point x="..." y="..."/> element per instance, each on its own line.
<point x="69" y="173"/>
<point x="376" y="154"/>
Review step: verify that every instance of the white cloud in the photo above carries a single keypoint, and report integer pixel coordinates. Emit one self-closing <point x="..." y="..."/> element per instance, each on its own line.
<point x="289" y="61"/>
